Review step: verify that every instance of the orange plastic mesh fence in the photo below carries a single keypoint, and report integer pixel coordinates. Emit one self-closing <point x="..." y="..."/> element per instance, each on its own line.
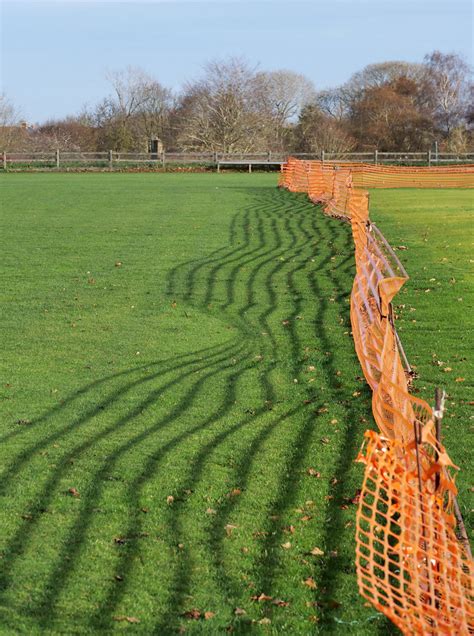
<point x="410" y="563"/>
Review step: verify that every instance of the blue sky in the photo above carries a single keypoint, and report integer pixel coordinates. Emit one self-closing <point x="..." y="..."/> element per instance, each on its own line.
<point x="54" y="55"/>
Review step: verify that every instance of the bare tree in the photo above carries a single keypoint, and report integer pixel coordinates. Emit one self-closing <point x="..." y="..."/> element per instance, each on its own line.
<point x="138" y="108"/>
<point x="317" y="131"/>
<point x="281" y="95"/>
<point x="448" y="85"/>
<point x="219" y="112"/>
<point x="11" y="134"/>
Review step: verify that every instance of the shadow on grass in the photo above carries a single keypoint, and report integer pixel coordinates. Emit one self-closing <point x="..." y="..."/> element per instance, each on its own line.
<point x="278" y="238"/>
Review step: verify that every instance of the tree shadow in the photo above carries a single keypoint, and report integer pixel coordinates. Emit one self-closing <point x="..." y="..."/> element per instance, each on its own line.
<point x="279" y="261"/>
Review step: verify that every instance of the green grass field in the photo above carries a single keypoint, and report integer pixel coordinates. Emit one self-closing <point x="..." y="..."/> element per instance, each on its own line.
<point x="176" y="357"/>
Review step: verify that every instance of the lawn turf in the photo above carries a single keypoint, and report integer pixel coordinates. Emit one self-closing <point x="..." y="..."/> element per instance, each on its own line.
<point x="176" y="355"/>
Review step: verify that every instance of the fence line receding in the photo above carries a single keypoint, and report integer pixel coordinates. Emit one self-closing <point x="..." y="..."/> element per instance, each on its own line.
<point x="411" y="564"/>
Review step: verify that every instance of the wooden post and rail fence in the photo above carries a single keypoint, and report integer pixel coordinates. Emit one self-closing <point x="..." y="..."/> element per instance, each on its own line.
<point x="111" y="159"/>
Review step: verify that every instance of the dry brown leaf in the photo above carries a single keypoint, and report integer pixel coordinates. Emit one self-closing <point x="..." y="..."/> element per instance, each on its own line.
<point x="261" y="597"/>
<point x="128" y="619"/>
<point x="210" y="511"/>
<point x="193" y="614"/>
<point x="280" y="603"/>
<point x="286" y="546"/>
<point x="316" y="552"/>
<point x="312" y="472"/>
<point x="74" y="492"/>
<point x="239" y="611"/>
<point x="208" y="615"/>
<point x="460" y="379"/>
<point x="229" y="528"/>
<point x="310" y="582"/>
<point x="264" y="621"/>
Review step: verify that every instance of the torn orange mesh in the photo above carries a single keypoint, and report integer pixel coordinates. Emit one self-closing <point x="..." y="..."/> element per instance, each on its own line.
<point x="410" y="563"/>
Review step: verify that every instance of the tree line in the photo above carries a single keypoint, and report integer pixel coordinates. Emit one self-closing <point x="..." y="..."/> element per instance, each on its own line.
<point x="236" y="108"/>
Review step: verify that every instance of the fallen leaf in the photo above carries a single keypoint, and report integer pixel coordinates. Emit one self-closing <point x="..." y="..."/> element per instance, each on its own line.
<point x="316" y="552"/>
<point x="312" y="472"/>
<point x="325" y="440"/>
<point x="239" y="611"/>
<point x="120" y="540"/>
<point x="208" y="615"/>
<point x="118" y="577"/>
<point x="229" y="528"/>
<point x="174" y="304"/>
<point x="306" y="518"/>
<point x="460" y="379"/>
<point x="73" y="492"/>
<point x="285" y="323"/>
<point x="313" y="618"/>
<point x="193" y="614"/>
<point x="447" y="369"/>
<point x="261" y="597"/>
<point x="169" y="499"/>
<point x="280" y="603"/>
<point x="210" y="511"/>
<point x="289" y="529"/>
<point x="264" y="621"/>
<point x="356" y="498"/>
<point x="118" y="263"/>
<point x="356" y="394"/>
<point x="310" y="582"/>
<point x="286" y="546"/>
<point x="128" y="619"/>
<point x="235" y="492"/>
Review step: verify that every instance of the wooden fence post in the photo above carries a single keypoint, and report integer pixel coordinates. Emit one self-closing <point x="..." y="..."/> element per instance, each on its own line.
<point x="163" y="159"/>
<point x="322" y="156"/>
<point x="429" y="157"/>
<point x="376" y="156"/>
<point x="4" y="160"/>
<point x="57" y="158"/>
<point x="111" y="159"/>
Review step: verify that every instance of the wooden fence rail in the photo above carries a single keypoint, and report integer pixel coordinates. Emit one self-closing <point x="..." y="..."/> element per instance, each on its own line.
<point x="57" y="159"/>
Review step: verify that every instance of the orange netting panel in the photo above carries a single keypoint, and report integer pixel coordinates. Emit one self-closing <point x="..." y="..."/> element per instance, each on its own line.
<point x="410" y="563"/>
